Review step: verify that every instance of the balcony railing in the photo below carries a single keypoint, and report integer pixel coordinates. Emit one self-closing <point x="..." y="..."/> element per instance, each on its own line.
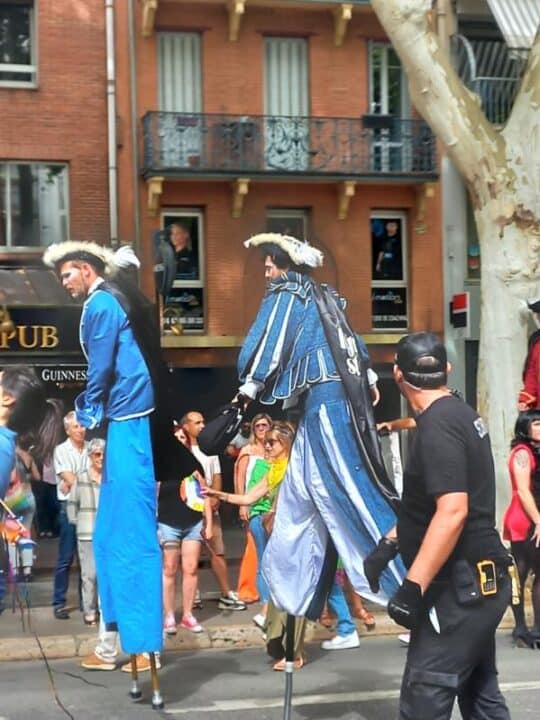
<point x="497" y="95"/>
<point x="180" y="143"/>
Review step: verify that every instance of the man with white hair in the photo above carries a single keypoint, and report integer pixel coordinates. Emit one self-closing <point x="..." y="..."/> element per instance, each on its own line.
<point x="70" y="459"/>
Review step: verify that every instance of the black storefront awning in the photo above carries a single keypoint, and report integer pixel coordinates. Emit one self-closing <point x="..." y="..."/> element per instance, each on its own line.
<point x="38" y="319"/>
<point x="31" y="286"/>
<point x="39" y="326"/>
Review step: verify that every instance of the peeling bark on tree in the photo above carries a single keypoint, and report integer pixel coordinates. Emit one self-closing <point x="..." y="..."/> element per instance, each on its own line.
<point x="502" y="172"/>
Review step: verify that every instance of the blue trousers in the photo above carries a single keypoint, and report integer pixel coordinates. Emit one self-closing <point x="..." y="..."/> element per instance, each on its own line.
<point x="259" y="536"/>
<point x="338" y="605"/>
<point x="67" y="547"/>
<point x="126" y="547"/>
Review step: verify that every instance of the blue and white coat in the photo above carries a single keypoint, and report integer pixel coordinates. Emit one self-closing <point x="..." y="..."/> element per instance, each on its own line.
<point x="326" y="492"/>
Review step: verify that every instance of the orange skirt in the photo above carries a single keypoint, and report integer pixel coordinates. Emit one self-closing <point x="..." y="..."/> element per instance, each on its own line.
<point x="247" y="586"/>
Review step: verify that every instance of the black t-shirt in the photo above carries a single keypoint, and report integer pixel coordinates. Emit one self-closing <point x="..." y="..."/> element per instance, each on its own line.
<point x="451" y="452"/>
<point x="172" y="510"/>
<point x="185" y="263"/>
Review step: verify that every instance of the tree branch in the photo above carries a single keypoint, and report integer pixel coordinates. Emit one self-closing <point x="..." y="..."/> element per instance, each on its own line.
<point x="452" y="111"/>
<point x="522" y="133"/>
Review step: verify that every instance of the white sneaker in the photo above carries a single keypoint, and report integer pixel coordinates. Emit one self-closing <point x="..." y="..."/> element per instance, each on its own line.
<point x="404" y="639"/>
<point x="342" y="642"/>
<point x="231" y="602"/>
<point x="260" y="621"/>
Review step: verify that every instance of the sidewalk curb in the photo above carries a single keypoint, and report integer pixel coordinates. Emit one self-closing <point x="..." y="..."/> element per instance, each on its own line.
<point x="228" y="637"/>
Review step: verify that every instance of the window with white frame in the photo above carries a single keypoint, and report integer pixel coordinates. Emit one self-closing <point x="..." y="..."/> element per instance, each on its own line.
<point x="288" y="221"/>
<point x="17" y="43"/>
<point x="389" y="296"/>
<point x="388" y="94"/>
<point x="34" y="208"/>
<point x="180" y="98"/>
<point x="184" y="305"/>
<point x="390" y="109"/>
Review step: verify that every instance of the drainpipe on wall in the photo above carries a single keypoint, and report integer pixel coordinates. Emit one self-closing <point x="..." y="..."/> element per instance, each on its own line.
<point x="111" y="124"/>
<point x="133" y="118"/>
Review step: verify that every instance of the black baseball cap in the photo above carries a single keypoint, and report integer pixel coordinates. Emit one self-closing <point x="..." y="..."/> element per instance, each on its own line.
<point x="421" y="353"/>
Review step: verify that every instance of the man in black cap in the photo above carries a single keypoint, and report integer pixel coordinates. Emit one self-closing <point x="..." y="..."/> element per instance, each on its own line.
<point x="457" y="585"/>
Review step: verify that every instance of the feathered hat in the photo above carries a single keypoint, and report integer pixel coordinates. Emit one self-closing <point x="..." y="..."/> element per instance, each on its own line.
<point x="300" y="252"/>
<point x="103" y="258"/>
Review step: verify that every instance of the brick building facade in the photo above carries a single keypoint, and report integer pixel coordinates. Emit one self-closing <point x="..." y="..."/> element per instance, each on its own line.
<point x="273" y="115"/>
<point x="52" y="113"/>
<point x="53" y="175"/>
<point x="231" y="118"/>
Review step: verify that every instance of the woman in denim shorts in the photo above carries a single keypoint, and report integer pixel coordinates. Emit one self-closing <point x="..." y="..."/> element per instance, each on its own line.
<point x="181" y="531"/>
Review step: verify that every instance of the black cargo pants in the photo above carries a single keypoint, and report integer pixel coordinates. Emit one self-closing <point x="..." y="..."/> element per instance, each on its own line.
<point x="458" y="662"/>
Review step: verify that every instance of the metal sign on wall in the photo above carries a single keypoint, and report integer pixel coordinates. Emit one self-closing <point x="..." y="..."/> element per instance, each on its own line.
<point x="43" y="331"/>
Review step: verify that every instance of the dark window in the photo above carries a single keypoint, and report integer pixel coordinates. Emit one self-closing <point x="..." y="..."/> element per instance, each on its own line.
<point x="17" y="50"/>
<point x="33" y="204"/>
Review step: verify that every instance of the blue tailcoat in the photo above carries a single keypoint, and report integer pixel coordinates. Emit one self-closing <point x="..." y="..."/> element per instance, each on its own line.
<point x="326" y="492"/>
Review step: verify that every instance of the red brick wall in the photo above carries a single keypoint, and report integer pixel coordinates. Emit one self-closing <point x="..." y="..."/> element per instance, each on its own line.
<point x="233" y="83"/>
<point x="64" y="118"/>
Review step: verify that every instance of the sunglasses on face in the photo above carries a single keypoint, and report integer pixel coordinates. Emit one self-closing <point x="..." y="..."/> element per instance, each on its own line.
<point x="271" y="441"/>
<point x="97" y="454"/>
<point x="263" y="425"/>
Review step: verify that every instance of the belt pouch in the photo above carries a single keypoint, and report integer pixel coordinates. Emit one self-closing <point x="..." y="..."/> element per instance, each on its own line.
<point x="465" y="583"/>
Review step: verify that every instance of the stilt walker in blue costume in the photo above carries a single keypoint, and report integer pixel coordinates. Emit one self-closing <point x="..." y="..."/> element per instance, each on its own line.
<point x="331" y="498"/>
<point x="125" y="389"/>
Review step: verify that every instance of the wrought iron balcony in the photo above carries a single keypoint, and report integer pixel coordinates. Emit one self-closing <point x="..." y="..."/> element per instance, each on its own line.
<point x="492" y="71"/>
<point x="497" y="96"/>
<point x="177" y="144"/>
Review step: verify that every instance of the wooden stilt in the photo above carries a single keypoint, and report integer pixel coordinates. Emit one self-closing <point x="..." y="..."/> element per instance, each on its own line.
<point x="157" y="700"/>
<point x="135" y="692"/>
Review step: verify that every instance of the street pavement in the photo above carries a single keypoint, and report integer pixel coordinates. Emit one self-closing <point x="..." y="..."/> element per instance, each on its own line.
<point x="25" y="634"/>
<point x="361" y="684"/>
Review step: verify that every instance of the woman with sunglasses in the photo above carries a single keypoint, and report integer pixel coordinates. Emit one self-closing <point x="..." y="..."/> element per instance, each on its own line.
<point x="261" y="498"/>
<point x="250" y="457"/>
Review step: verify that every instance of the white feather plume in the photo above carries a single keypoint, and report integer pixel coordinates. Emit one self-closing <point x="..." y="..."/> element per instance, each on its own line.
<point x="300" y="252"/>
<point x="125" y="257"/>
<point x="112" y="261"/>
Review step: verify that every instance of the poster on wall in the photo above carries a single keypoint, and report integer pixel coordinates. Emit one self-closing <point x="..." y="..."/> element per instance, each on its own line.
<point x="387" y="249"/>
<point x="389" y="308"/>
<point x="184" y="308"/>
<point x="183" y="232"/>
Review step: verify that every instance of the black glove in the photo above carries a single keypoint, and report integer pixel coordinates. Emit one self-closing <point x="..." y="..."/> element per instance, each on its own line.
<point x="377" y="560"/>
<point x="406" y="606"/>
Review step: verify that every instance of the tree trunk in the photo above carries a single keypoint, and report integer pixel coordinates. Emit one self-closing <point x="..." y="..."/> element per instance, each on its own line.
<point x="503" y="333"/>
<point x="502" y="174"/>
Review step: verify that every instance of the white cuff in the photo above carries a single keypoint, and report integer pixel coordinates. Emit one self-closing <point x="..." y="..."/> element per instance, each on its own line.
<point x="251" y="388"/>
<point x="372" y="377"/>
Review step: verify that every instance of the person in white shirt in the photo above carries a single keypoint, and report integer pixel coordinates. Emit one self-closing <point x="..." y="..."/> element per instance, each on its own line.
<point x="70" y="459"/>
<point x="192" y="423"/>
